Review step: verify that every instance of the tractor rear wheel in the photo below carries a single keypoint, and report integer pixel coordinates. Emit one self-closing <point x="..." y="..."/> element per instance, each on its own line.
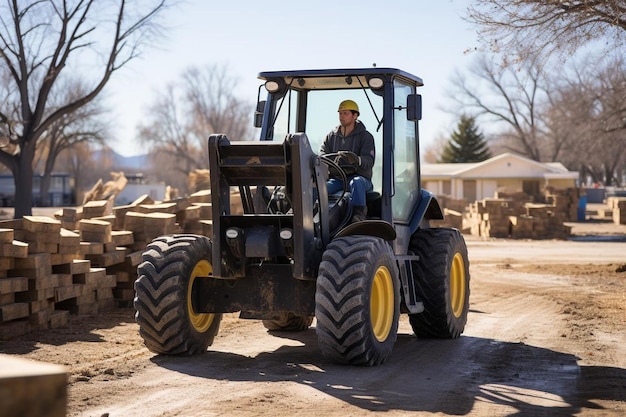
<point x="441" y="278"/>
<point x="357" y="301"/>
<point x="167" y="322"/>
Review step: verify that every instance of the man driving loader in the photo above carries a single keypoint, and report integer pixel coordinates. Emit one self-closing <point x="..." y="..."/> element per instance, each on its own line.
<point x="355" y="146"/>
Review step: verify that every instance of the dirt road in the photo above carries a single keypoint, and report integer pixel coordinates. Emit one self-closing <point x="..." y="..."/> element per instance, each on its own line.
<point x="545" y="337"/>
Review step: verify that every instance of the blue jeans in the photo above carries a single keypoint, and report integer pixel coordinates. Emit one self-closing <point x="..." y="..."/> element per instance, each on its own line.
<point x="359" y="186"/>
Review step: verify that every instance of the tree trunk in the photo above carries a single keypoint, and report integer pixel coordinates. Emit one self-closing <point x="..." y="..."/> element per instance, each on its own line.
<point x="608" y="176"/>
<point x="44" y="185"/>
<point x="44" y="191"/>
<point x="23" y="178"/>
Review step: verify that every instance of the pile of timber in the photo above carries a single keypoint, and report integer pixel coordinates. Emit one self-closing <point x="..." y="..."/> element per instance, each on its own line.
<point x="43" y="278"/>
<point x="84" y="260"/>
<point x="564" y="202"/>
<point x="106" y="190"/>
<point x="490" y="217"/>
<point x="517" y="216"/>
<point x="453" y="212"/>
<point x="617" y="205"/>
<point x="33" y="389"/>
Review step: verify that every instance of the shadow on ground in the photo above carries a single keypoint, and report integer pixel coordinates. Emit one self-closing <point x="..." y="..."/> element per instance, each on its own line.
<point x="439" y="376"/>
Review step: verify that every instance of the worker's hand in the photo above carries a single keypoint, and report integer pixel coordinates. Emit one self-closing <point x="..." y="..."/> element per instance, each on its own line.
<point x="350" y="158"/>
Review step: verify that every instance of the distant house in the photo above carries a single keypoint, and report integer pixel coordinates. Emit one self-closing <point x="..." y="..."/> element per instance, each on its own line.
<point x="60" y="193"/>
<point x="504" y="173"/>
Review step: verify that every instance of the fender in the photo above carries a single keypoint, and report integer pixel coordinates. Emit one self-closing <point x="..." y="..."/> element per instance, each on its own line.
<point x="378" y="228"/>
<point x="427" y="209"/>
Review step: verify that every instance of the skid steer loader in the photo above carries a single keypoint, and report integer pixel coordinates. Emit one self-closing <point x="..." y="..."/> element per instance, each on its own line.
<point x="293" y="255"/>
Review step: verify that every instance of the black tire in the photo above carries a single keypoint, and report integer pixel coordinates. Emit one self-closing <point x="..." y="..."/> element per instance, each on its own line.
<point x="442" y="279"/>
<point x="288" y="322"/>
<point x="167" y="322"/>
<point x="357" y="301"/>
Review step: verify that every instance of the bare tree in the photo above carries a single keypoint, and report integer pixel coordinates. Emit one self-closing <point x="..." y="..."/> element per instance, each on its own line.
<point x="215" y="108"/>
<point x="168" y="130"/>
<point x="186" y="113"/>
<point x="510" y="98"/>
<point x="40" y="41"/>
<point x="87" y="124"/>
<point x="580" y="120"/>
<point x="431" y="153"/>
<point x="589" y="104"/>
<point x="561" y="27"/>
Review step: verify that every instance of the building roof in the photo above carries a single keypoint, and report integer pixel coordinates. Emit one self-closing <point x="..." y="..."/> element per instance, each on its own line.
<point x="506" y="165"/>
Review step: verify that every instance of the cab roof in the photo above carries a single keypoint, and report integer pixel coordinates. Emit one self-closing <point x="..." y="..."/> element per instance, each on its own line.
<point x="328" y="79"/>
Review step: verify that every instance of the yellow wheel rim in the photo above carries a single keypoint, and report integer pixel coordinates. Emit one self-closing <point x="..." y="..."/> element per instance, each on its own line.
<point x="200" y="321"/>
<point x="382" y="304"/>
<point x="457" y="285"/>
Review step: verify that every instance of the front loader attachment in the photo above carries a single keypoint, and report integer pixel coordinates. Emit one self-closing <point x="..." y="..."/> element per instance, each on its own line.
<point x="285" y="236"/>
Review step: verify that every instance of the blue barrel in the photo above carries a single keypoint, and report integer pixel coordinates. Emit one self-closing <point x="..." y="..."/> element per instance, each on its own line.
<point x="582" y="208"/>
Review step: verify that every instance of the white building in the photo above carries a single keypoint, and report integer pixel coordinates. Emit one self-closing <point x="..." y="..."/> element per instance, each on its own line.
<point x="504" y="173"/>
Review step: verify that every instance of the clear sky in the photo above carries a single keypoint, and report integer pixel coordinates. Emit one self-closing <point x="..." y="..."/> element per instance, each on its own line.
<point x="424" y="37"/>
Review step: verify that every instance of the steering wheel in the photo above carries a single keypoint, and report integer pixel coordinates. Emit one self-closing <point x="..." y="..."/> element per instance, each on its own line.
<point x="338" y="165"/>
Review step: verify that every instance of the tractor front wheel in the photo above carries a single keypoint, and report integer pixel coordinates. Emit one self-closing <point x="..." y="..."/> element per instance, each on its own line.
<point x="167" y="321"/>
<point x="357" y="302"/>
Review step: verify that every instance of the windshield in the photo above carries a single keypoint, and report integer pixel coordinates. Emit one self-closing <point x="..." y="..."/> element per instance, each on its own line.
<point x="322" y="117"/>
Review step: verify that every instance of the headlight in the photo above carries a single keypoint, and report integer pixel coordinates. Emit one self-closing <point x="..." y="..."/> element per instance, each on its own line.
<point x="375" y="83"/>
<point x="271" y="86"/>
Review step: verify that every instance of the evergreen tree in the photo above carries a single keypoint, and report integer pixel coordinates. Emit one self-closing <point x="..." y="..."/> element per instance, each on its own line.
<point x="466" y="144"/>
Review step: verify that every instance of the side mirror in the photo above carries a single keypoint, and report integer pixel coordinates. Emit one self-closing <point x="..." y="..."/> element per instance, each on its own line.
<point x="258" y="113"/>
<point x="414" y="107"/>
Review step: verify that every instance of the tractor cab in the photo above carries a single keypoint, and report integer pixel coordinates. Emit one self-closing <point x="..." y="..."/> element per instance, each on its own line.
<point x="390" y="108"/>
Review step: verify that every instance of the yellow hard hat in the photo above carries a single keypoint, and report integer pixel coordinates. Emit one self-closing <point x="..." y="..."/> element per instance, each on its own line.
<point x="348" y="105"/>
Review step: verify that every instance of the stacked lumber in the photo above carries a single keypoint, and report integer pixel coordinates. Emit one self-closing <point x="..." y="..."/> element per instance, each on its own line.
<point x="518" y="196"/>
<point x="451" y="218"/>
<point x="618" y="206"/>
<point x="104" y="250"/>
<point x="34" y="389"/>
<point x="69" y="217"/>
<point x="517" y="217"/>
<point x="147" y="226"/>
<point x="548" y="226"/>
<point x="44" y="277"/>
<point x="97" y="208"/>
<point x="12" y="308"/>
<point x="125" y="275"/>
<point x="200" y="197"/>
<point x="86" y="290"/>
<point x="490" y="217"/>
<point x="170" y="193"/>
<point x="198" y="180"/>
<point x="109" y="249"/>
<point x="107" y="191"/>
<point x="561" y="205"/>
<point x="84" y="260"/>
<point x="564" y="202"/>
<point x="133" y="227"/>
<point x="453" y="210"/>
<point x="601" y="213"/>
<point x="200" y="201"/>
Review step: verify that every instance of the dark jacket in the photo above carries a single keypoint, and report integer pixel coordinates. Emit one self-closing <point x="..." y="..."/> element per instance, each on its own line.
<point x="359" y="141"/>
